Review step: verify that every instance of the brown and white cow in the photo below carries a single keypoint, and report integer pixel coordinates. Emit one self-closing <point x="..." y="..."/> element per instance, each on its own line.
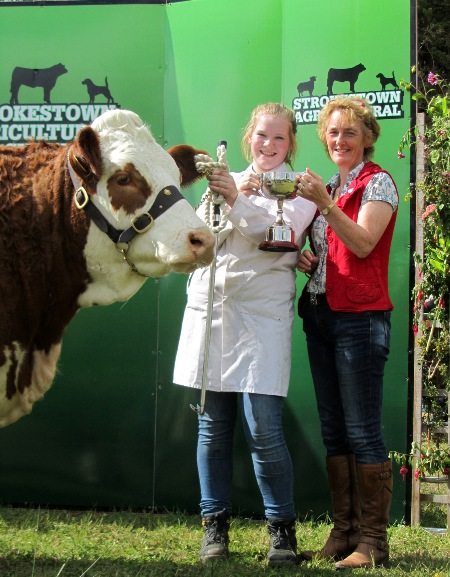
<point x="61" y="250"/>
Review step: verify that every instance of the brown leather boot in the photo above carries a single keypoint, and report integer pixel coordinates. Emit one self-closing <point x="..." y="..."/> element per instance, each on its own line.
<point x="344" y="536"/>
<point x="375" y="487"/>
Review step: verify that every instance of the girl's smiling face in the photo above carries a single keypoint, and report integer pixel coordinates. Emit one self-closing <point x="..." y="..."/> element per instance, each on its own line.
<point x="269" y="143"/>
<point x="346" y="140"/>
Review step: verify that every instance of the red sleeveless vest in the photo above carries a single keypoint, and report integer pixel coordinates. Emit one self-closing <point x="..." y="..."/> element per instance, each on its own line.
<point x="356" y="284"/>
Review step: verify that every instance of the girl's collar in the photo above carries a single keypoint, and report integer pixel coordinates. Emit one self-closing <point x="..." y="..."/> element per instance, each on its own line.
<point x="280" y="168"/>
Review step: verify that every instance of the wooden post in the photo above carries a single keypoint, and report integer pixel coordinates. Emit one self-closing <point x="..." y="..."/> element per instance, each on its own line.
<point x="417" y="402"/>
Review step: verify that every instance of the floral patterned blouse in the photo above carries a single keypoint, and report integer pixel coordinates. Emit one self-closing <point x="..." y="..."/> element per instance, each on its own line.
<point x="380" y="187"/>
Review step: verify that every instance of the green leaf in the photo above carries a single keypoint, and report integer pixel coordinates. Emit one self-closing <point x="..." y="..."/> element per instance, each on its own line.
<point x="437" y="265"/>
<point x="433" y="155"/>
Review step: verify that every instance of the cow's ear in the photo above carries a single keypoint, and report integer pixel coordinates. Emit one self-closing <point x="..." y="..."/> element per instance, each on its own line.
<point x="183" y="154"/>
<point x="86" y="155"/>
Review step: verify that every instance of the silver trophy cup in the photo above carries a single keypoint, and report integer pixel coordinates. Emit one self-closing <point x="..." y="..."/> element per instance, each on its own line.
<point x="279" y="237"/>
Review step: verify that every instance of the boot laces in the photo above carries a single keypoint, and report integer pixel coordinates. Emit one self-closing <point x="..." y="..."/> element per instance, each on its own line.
<point x="215" y="532"/>
<point x="280" y="538"/>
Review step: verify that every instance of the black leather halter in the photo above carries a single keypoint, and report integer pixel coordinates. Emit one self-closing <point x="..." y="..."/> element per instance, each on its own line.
<point x="166" y="198"/>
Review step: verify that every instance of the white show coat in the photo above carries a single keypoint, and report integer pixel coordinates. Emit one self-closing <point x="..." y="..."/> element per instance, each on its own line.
<point x="253" y="305"/>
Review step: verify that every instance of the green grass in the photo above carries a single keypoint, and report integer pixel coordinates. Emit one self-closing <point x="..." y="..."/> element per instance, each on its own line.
<point x="433" y="514"/>
<point x="48" y="543"/>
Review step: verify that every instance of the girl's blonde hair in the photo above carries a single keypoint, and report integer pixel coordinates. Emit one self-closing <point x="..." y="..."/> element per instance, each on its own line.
<point x="271" y="109"/>
<point x="355" y="109"/>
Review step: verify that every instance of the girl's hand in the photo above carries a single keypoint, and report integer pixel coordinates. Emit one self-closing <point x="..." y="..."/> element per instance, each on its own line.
<point x="307" y="262"/>
<point x="221" y="182"/>
<point x="250" y="184"/>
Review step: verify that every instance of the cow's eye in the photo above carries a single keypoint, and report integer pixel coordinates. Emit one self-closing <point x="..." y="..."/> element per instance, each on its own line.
<point x="123" y="178"/>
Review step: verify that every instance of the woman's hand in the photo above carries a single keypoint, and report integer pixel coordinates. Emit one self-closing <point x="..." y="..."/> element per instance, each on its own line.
<point x="312" y="187"/>
<point x="361" y="236"/>
<point x="307" y="262"/>
<point x="221" y="182"/>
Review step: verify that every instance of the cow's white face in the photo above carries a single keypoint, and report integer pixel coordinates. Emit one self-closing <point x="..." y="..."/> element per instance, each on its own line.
<point x="134" y="170"/>
<point x="121" y="169"/>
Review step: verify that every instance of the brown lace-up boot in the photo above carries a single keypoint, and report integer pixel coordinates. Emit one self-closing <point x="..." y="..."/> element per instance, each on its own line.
<point x="375" y="486"/>
<point x="344" y="536"/>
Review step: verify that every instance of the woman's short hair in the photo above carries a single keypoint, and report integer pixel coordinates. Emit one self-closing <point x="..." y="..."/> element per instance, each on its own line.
<point x="271" y="109"/>
<point x="356" y="109"/>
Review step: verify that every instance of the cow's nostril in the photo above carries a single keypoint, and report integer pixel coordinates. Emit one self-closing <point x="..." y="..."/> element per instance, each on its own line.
<point x="202" y="246"/>
<point x="199" y="239"/>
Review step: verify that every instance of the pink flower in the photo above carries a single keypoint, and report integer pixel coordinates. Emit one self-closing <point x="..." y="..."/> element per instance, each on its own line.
<point x="441" y="303"/>
<point x="446" y="471"/>
<point x="433" y="79"/>
<point x="415" y="329"/>
<point x="400" y="154"/>
<point x="420" y="296"/>
<point x="403" y="472"/>
<point x="429" y="210"/>
<point x="417" y="474"/>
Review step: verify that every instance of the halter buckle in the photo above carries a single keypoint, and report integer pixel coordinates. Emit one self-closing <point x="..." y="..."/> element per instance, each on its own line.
<point x="134" y="223"/>
<point x="84" y="197"/>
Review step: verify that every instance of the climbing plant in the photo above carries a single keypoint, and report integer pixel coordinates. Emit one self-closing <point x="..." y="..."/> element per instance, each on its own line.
<point x="431" y="293"/>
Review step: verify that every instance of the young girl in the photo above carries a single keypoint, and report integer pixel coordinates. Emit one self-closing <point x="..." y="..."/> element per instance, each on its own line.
<point x="250" y="343"/>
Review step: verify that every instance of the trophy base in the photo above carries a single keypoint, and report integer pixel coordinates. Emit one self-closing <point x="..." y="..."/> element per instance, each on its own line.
<point x="279" y="238"/>
<point x="278" y="246"/>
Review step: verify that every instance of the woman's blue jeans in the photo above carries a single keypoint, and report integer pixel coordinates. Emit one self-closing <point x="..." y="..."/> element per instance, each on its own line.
<point x="262" y="421"/>
<point x="347" y="354"/>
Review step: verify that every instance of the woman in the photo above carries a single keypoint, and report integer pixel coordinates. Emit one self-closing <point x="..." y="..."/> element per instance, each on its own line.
<point x="346" y="319"/>
<point x="250" y="344"/>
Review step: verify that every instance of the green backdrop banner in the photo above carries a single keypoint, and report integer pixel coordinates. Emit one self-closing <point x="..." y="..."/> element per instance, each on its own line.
<point x="114" y="430"/>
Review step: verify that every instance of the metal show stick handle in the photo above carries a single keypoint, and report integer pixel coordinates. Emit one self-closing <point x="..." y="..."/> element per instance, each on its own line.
<point x="200" y="409"/>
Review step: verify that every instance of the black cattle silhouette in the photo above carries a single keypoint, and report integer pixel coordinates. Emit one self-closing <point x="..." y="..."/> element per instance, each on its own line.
<point x="34" y="78"/>
<point x="344" y="75"/>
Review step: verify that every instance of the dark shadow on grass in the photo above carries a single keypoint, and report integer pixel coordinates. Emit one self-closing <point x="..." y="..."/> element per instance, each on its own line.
<point x="236" y="566"/>
<point x="42" y="519"/>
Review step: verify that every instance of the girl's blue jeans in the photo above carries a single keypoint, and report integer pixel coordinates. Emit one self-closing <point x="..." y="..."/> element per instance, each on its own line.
<point x="262" y="421"/>
<point x="347" y="354"/>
